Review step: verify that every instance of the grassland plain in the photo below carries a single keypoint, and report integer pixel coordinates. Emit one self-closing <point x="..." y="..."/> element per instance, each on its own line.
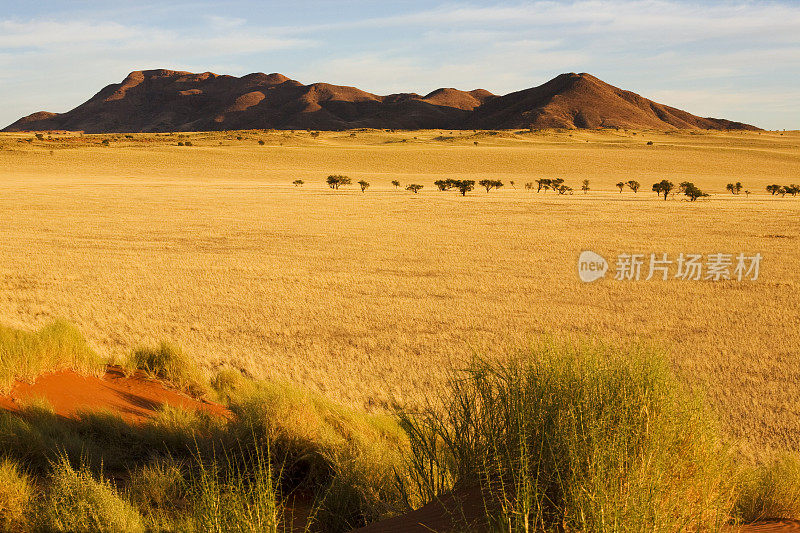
<point x="373" y="296"/>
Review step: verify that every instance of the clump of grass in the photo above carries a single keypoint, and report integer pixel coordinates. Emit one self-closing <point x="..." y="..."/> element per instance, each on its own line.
<point x="26" y="355"/>
<point x="236" y="494"/>
<point x="78" y="502"/>
<point x="159" y="485"/>
<point x="345" y="458"/>
<point x="770" y="489"/>
<point x="583" y="436"/>
<point x="16" y="494"/>
<point x="169" y="363"/>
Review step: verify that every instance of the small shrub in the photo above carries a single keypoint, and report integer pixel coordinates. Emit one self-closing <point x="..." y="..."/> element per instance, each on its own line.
<point x="229" y="497"/>
<point x="770" y="490"/>
<point x="169" y="363"/>
<point x="261" y="142"/>
<point x="77" y="502"/>
<point x="16" y="494"/>
<point x="159" y="486"/>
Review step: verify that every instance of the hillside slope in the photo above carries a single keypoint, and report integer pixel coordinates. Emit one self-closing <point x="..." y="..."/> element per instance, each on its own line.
<point x="166" y="100"/>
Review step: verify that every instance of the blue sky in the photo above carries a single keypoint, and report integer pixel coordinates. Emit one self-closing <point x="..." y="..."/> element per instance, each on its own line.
<point x="736" y="60"/>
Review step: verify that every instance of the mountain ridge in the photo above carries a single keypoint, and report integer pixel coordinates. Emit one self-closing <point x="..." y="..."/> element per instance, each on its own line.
<point x="164" y="100"/>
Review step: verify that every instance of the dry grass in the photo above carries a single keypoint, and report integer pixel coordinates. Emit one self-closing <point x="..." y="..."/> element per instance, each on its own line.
<point x="366" y="297"/>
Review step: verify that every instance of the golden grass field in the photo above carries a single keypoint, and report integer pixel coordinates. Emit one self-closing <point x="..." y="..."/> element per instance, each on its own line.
<point x="374" y="296"/>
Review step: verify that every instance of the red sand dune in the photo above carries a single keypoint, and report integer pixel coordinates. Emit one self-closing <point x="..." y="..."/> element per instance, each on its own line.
<point x="167" y="100"/>
<point x="135" y="398"/>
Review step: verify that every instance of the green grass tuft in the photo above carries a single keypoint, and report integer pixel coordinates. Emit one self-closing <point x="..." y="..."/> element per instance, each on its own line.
<point x="77" y="502"/>
<point x="26" y="355"/>
<point x="770" y="489"/>
<point x="169" y="363"/>
<point x="16" y="494"/>
<point x="583" y="436"/>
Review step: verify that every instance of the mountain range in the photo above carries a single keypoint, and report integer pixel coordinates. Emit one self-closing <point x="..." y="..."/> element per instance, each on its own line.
<point x="167" y="100"/>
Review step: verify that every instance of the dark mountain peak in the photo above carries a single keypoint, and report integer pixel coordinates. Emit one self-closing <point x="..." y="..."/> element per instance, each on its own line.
<point x="173" y="100"/>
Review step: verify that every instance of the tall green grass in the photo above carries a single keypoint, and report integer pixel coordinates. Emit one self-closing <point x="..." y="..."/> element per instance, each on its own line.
<point x="169" y="363"/>
<point x="561" y="436"/>
<point x="189" y="471"/>
<point x="769" y="489"/>
<point x="25" y="355"/>
<point x="17" y="493"/>
<point x="584" y="437"/>
<point x="78" y="502"/>
<point x="345" y="458"/>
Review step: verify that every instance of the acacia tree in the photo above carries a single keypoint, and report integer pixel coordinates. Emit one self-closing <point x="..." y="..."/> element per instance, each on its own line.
<point x="414" y="188"/>
<point x="464" y="186"/>
<point x="335" y="181"/>
<point x="396" y="184"/>
<point x="298" y="183"/>
<point x="490" y="184"/>
<point x="364" y="184"/>
<point x="529" y="186"/>
<point x="585" y="186"/>
<point x="563" y="189"/>
<point x="734" y="188"/>
<point x="443" y="185"/>
<point x="772" y="189"/>
<point x="621" y="186"/>
<point x="512" y="183"/>
<point x="556" y="183"/>
<point x="689" y="189"/>
<point x="792" y="189"/>
<point x="634" y="185"/>
<point x="663" y="187"/>
<point x="543" y="183"/>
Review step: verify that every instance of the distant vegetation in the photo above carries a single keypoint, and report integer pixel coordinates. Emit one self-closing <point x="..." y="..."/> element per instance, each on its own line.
<point x="335" y="181"/>
<point x="490" y="184"/>
<point x="689" y="189"/>
<point x="734" y="188"/>
<point x="662" y="188"/>
<point x="783" y="190"/>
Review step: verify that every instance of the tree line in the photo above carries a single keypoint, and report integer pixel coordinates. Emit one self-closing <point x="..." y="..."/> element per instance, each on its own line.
<point x="662" y="188"/>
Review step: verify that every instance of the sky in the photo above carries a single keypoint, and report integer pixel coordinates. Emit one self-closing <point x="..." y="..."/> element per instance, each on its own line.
<point x="734" y="60"/>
